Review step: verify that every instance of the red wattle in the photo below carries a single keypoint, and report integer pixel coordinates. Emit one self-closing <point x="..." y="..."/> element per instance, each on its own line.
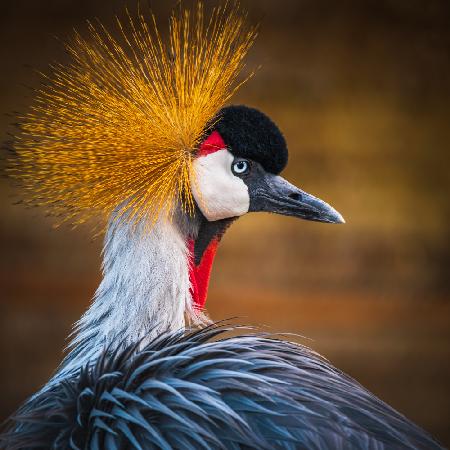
<point x="211" y="144"/>
<point x="199" y="275"/>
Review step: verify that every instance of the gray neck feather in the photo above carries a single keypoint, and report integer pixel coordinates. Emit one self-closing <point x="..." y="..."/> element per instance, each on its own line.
<point x="144" y="290"/>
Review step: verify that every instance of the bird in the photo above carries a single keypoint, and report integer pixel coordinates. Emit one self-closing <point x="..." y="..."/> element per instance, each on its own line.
<point x="140" y="132"/>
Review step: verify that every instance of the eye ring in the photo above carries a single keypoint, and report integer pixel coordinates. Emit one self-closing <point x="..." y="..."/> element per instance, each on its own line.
<point x="240" y="167"/>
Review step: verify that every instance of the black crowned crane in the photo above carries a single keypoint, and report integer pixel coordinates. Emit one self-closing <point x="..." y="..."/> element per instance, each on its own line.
<point x="138" y="130"/>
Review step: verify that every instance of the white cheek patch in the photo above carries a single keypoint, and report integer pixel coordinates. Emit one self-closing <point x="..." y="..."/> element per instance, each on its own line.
<point x="218" y="192"/>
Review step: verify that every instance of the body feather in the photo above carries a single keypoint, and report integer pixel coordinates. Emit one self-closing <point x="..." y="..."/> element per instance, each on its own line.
<point x="202" y="390"/>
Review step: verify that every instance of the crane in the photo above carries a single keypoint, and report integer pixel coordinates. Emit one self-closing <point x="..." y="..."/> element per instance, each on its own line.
<point x="139" y="132"/>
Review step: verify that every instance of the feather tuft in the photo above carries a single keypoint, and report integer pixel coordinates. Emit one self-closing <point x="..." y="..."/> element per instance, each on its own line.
<point x="117" y="127"/>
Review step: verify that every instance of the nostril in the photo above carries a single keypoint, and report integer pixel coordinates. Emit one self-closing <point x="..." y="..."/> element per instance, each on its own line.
<point x="295" y="196"/>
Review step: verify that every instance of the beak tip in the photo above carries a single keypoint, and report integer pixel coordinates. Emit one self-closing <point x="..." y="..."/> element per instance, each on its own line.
<point x="339" y="218"/>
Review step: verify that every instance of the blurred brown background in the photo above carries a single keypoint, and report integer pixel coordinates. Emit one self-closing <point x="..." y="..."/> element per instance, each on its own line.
<point x="361" y="91"/>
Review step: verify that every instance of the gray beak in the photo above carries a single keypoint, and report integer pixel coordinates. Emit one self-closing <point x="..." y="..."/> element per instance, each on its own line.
<point x="273" y="193"/>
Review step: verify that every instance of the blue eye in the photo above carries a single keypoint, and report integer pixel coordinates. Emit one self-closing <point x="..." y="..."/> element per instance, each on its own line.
<point x="240" y="167"/>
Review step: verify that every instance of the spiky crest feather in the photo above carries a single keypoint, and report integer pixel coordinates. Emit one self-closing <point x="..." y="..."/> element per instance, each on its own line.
<point x="120" y="123"/>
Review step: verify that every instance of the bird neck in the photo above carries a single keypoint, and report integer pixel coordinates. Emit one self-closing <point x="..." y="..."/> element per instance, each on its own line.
<point x="145" y="290"/>
<point x="154" y="279"/>
<point x="202" y="250"/>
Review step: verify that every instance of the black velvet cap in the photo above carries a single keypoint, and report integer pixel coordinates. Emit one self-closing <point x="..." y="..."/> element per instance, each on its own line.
<point x="249" y="133"/>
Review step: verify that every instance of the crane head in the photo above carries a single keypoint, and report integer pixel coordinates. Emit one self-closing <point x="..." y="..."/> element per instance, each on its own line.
<point x="131" y="147"/>
<point x="236" y="170"/>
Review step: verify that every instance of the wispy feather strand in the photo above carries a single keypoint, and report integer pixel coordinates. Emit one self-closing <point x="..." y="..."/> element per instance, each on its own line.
<point x="118" y="126"/>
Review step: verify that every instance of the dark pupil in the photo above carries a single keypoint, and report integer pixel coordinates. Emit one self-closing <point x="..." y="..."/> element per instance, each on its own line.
<point x="241" y="165"/>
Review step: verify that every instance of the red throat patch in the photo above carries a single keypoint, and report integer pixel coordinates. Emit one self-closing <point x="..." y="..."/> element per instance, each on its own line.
<point x="211" y="144"/>
<point x="199" y="275"/>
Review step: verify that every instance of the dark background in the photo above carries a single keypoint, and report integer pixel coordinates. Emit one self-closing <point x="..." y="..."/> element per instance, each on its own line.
<point x="361" y="91"/>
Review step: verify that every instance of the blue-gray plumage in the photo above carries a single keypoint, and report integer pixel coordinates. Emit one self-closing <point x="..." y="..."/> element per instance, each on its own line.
<point x="202" y="390"/>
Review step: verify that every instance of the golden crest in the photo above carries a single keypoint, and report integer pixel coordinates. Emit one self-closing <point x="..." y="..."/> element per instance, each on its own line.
<point x="118" y="126"/>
